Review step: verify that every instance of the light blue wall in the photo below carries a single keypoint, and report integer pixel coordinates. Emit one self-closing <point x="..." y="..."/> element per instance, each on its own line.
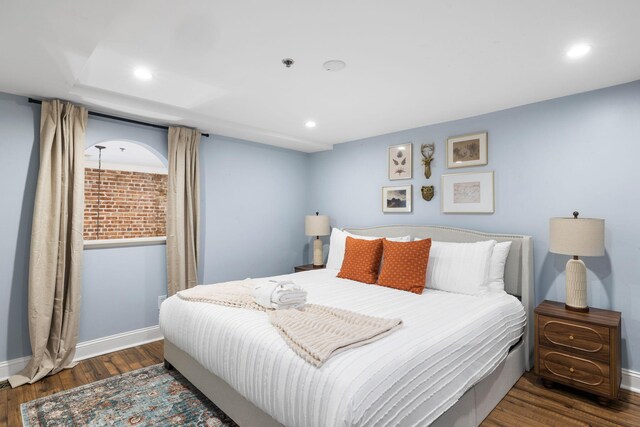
<point x="253" y="204"/>
<point x="19" y="156"/>
<point x="120" y="289"/>
<point x="580" y="153"/>
<point x="254" y="201"/>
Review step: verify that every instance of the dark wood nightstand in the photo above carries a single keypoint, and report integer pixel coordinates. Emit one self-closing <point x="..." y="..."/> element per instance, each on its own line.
<point x="581" y="350"/>
<point x="306" y="267"/>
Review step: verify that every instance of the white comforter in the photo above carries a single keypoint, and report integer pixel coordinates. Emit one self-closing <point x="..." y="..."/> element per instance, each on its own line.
<point x="448" y="343"/>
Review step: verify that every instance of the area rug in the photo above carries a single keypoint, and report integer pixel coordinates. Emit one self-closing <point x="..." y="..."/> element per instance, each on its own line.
<point x="150" y="396"/>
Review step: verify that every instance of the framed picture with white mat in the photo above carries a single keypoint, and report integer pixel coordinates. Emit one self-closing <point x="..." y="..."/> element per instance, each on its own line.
<point x="468" y="192"/>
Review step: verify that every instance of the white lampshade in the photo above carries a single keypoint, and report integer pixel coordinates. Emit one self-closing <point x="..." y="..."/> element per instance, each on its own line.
<point x="576" y="236"/>
<point x="316" y="225"/>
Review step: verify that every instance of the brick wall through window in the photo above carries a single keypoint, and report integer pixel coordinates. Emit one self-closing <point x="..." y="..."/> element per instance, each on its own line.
<point x="132" y="204"/>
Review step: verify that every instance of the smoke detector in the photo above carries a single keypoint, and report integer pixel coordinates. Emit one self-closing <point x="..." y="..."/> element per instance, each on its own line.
<point x="334" y="65"/>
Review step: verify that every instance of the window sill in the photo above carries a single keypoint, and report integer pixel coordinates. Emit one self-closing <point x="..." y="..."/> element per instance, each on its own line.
<point x="120" y="243"/>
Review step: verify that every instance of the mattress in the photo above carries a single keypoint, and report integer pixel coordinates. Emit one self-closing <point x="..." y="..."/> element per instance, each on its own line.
<point x="448" y="343"/>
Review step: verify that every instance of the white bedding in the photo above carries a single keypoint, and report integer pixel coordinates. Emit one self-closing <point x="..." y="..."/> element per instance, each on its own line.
<point x="447" y="344"/>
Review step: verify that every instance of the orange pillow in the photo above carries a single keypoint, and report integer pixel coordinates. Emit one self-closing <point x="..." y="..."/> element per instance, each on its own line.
<point x="361" y="260"/>
<point x="405" y="265"/>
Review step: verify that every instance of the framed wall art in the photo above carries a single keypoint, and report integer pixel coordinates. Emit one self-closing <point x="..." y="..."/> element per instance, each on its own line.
<point x="467" y="150"/>
<point x="468" y="193"/>
<point x="396" y="199"/>
<point x="400" y="161"/>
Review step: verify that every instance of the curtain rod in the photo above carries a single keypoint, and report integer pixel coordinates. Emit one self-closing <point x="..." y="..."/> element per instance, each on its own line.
<point x="122" y="119"/>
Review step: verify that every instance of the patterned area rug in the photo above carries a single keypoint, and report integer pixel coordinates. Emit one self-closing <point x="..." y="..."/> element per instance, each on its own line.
<point x="150" y="396"/>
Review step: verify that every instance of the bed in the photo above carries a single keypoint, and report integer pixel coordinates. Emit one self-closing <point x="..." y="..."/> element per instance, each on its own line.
<point x="422" y="374"/>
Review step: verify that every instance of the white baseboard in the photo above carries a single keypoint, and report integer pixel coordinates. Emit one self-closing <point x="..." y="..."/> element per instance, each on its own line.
<point x="13" y="366"/>
<point x="88" y="349"/>
<point x="630" y="380"/>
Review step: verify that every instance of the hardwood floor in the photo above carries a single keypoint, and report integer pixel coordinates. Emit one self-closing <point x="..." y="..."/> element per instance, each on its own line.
<point x="528" y="403"/>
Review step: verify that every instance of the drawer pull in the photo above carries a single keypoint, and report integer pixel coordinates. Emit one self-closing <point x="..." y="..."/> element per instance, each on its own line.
<point x="571" y="370"/>
<point x="571" y="337"/>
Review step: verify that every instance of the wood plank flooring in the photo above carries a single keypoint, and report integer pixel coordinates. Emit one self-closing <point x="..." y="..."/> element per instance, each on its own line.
<point x="528" y="403"/>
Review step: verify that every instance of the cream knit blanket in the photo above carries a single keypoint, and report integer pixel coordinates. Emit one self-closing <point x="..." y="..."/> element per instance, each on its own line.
<point x="314" y="332"/>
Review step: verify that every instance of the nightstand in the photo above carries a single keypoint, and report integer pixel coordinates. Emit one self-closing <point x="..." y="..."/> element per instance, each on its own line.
<point x="306" y="267"/>
<point x="581" y="350"/>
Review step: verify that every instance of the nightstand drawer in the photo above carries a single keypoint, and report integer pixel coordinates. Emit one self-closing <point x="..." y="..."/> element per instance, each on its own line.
<point x="592" y="340"/>
<point x="590" y="375"/>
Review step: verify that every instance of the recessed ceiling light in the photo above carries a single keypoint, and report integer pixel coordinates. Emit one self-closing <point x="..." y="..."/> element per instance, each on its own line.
<point x="578" y="50"/>
<point x="310" y="124"/>
<point x="142" y="73"/>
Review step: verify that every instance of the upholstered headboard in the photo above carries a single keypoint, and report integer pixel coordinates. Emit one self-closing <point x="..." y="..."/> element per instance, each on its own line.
<point x="518" y="274"/>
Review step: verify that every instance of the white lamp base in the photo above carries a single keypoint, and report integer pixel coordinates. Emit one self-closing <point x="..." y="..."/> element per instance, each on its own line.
<point x="576" y="286"/>
<point x="317" y="253"/>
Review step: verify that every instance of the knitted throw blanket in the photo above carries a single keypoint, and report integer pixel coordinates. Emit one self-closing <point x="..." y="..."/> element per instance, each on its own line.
<point x="314" y="332"/>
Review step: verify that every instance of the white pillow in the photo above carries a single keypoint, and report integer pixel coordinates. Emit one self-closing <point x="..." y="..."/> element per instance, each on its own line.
<point x="459" y="267"/>
<point x="495" y="282"/>
<point x="338" y="242"/>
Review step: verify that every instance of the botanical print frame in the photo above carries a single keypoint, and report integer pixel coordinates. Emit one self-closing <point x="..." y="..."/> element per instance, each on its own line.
<point x="467" y="150"/>
<point x="397" y="198"/>
<point x="400" y="161"/>
<point x="470" y="192"/>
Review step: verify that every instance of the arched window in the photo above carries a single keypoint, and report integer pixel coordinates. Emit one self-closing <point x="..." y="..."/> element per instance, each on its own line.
<point x="125" y="192"/>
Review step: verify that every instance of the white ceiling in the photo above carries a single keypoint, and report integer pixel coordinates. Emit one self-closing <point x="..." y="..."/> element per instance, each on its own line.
<point x="123" y="155"/>
<point x="217" y="64"/>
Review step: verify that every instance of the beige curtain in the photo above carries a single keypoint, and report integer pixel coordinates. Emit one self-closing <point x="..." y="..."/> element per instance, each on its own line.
<point x="183" y="209"/>
<point x="56" y="242"/>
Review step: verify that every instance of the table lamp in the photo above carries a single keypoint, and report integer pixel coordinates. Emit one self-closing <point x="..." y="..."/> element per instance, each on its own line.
<point x="317" y="225"/>
<point x="576" y="237"/>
